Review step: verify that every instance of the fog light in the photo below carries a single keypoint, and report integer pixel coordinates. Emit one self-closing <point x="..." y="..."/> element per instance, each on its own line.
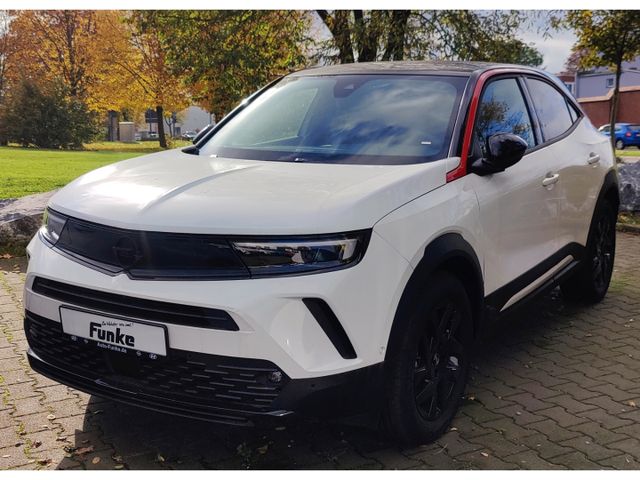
<point x="275" y="377"/>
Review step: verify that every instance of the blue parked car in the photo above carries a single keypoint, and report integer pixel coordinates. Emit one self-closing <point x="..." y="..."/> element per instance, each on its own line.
<point x="627" y="135"/>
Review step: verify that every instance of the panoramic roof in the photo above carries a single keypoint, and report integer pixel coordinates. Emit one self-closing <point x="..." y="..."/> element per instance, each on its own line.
<point x="413" y="67"/>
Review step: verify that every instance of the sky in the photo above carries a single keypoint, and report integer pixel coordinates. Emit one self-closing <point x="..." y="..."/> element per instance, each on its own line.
<point x="555" y="50"/>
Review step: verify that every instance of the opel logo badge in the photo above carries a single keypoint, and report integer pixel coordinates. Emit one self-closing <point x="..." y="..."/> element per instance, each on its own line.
<point x="127" y="252"/>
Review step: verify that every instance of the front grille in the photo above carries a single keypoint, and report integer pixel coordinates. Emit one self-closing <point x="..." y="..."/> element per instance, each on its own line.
<point x="149" y="255"/>
<point x="193" y="380"/>
<point x="135" y="307"/>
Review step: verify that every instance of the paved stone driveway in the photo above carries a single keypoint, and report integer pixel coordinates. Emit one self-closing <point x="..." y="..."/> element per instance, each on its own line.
<point x="556" y="387"/>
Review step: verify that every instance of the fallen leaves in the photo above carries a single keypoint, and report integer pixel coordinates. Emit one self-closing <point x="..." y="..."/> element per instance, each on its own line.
<point x="80" y="451"/>
<point x="51" y="416"/>
<point x="95" y="460"/>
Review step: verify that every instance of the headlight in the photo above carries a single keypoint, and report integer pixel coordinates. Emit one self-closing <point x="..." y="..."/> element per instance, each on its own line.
<point x="53" y="223"/>
<point x="304" y="254"/>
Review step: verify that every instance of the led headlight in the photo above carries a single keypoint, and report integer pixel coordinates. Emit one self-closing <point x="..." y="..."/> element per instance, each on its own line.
<point x="305" y="254"/>
<point x="53" y="223"/>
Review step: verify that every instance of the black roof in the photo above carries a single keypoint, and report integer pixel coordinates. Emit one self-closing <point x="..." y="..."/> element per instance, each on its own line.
<point x="422" y="67"/>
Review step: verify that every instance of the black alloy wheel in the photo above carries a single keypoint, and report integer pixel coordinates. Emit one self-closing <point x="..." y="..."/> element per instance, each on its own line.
<point x="439" y="363"/>
<point x="427" y="366"/>
<point x="604" y="251"/>
<point x="590" y="282"/>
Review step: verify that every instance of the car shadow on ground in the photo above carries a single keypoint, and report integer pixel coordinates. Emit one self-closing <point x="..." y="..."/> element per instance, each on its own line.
<point x="129" y="437"/>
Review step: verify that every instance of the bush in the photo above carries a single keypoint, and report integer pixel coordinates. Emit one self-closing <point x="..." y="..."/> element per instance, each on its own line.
<point x="43" y="118"/>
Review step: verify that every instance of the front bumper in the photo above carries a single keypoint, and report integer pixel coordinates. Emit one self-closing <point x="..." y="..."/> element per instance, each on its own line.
<point x="206" y="387"/>
<point x="273" y="322"/>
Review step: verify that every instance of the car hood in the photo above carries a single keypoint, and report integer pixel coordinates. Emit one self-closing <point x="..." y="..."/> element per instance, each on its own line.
<point x="178" y="192"/>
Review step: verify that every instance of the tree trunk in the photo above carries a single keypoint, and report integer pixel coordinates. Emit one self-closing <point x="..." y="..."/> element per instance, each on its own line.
<point x="396" y="38"/>
<point x="367" y="35"/>
<point x="613" y="117"/>
<point x="160" y="116"/>
<point x="338" y="25"/>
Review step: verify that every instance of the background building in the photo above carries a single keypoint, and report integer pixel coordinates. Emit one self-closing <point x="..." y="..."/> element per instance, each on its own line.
<point x="593" y="89"/>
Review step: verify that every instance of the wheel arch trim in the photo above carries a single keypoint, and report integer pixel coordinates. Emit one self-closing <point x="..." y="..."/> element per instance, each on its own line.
<point x="450" y="252"/>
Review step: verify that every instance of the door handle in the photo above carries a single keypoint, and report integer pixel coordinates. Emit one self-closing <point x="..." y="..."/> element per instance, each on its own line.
<point x="550" y="179"/>
<point x="593" y="159"/>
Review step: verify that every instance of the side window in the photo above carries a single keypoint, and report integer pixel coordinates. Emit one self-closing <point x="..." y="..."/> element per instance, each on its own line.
<point x="551" y="107"/>
<point x="573" y="113"/>
<point x="502" y="109"/>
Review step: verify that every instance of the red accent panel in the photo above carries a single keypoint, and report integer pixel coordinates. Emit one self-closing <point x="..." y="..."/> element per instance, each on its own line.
<point x="461" y="170"/>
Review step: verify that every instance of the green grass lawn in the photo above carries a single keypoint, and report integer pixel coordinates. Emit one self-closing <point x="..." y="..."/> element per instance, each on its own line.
<point x="142" y="147"/>
<point x="628" y="152"/>
<point x="24" y="171"/>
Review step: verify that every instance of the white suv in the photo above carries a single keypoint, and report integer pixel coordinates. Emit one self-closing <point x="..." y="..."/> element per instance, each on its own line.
<point x="333" y="246"/>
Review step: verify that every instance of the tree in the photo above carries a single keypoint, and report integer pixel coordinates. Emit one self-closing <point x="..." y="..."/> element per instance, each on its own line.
<point x="224" y="55"/>
<point x="138" y="59"/>
<point x="607" y="38"/>
<point x="92" y="54"/>
<point x="46" y="118"/>
<point x="6" y="52"/>
<point x="6" y="65"/>
<point x="363" y="36"/>
<point x="56" y="45"/>
<point x="572" y="64"/>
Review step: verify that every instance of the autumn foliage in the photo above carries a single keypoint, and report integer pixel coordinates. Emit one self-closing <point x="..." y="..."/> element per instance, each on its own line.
<point x="129" y="61"/>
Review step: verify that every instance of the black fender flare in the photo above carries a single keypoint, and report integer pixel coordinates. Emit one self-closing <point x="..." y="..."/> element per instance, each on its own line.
<point x="449" y="251"/>
<point x="610" y="191"/>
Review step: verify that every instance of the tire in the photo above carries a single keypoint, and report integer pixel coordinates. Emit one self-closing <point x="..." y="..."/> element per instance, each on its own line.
<point x="591" y="281"/>
<point x="423" y="391"/>
<point x="619" y="145"/>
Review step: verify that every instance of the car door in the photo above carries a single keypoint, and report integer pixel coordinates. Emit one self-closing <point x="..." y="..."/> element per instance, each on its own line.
<point x="518" y="208"/>
<point x="576" y="150"/>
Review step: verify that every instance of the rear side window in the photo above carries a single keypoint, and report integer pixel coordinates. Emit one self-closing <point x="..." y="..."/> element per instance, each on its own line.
<point x="502" y="109"/>
<point x="573" y="113"/>
<point x="551" y="107"/>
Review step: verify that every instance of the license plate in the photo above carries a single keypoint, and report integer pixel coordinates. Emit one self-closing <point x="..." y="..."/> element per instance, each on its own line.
<point x="116" y="334"/>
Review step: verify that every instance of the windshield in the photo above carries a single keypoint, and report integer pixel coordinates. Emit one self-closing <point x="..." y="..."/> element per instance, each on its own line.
<point x="369" y="119"/>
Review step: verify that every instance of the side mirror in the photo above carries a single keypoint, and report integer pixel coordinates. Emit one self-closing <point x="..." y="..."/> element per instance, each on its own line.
<point x="503" y="151"/>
